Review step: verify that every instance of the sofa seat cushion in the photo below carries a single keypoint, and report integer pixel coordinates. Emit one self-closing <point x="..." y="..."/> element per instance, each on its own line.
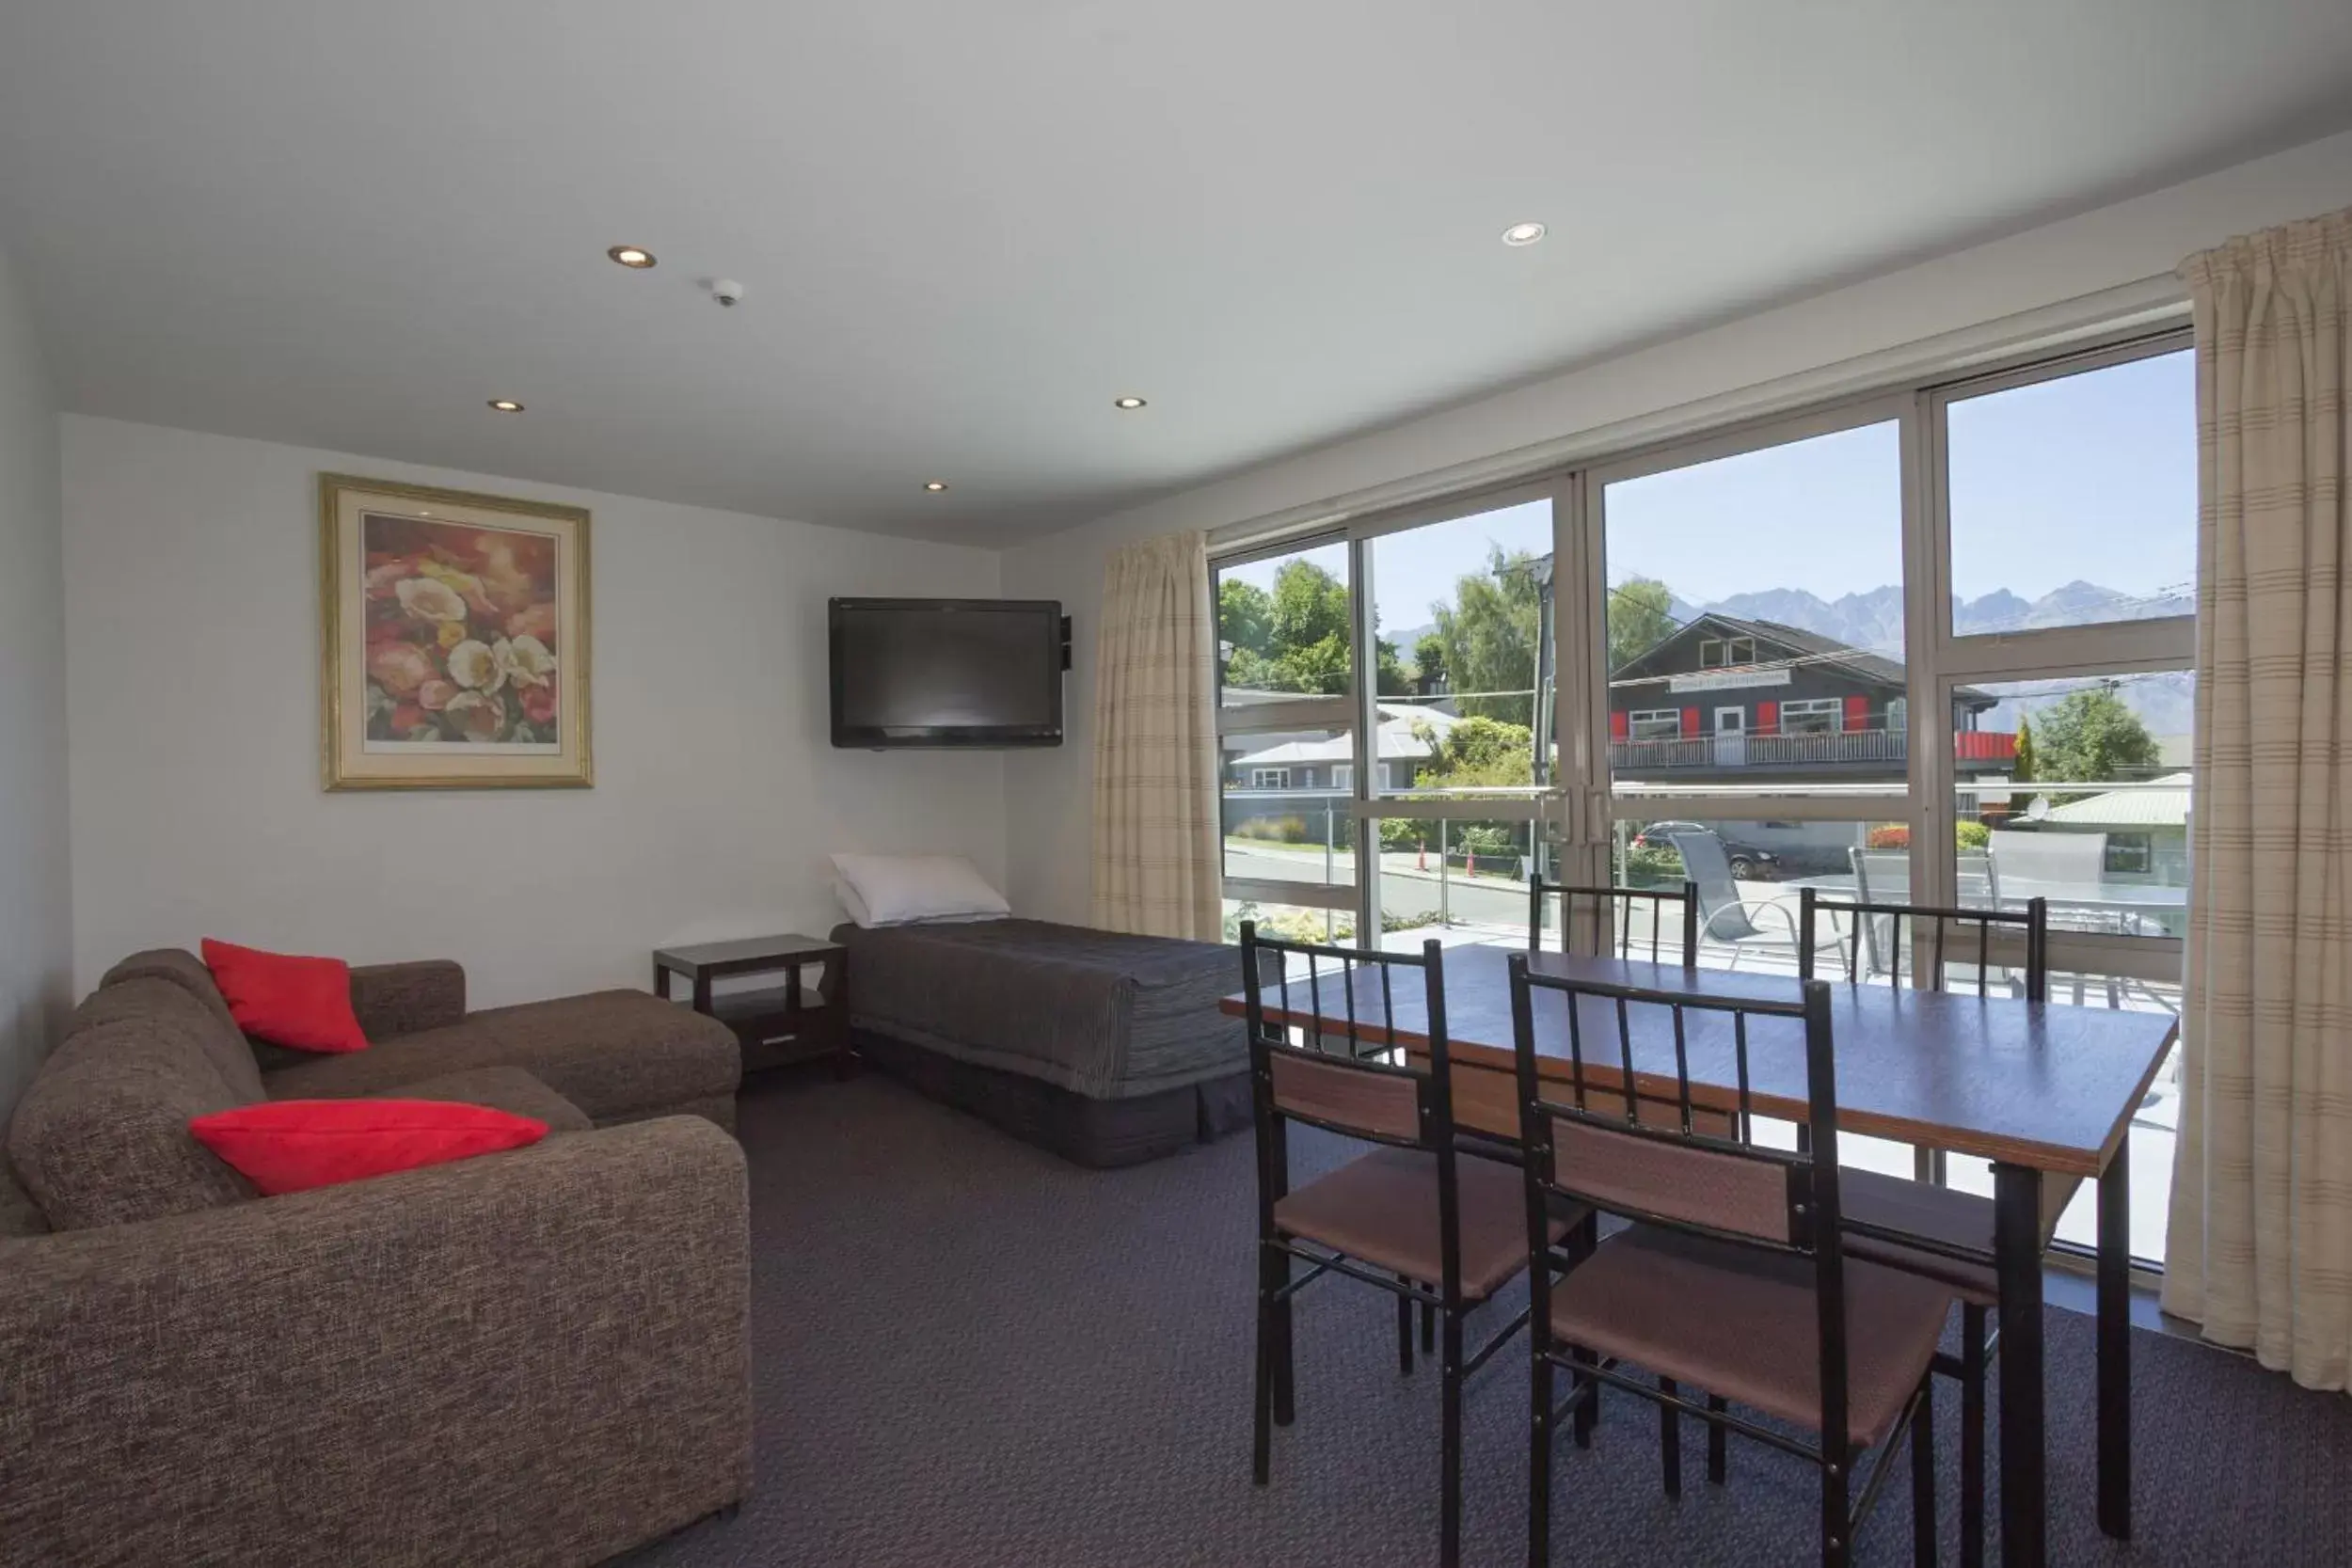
<point x="498" y="1089"/>
<point x="100" y="1135"/>
<point x="615" y="1054"/>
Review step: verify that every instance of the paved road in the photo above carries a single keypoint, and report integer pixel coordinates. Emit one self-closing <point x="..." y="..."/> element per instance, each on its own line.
<point x="1405" y="888"/>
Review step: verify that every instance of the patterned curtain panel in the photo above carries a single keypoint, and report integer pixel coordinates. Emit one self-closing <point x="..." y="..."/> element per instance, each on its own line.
<point x="1156" y="758"/>
<point x="2261" y="1240"/>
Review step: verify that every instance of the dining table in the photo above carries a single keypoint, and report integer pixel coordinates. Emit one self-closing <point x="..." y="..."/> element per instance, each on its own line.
<point x="2042" y="1090"/>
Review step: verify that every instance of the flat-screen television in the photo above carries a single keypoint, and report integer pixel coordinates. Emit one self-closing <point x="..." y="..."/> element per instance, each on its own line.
<point x="946" y="672"/>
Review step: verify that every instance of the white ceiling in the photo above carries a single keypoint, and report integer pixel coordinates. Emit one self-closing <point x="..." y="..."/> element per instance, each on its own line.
<point x="965" y="226"/>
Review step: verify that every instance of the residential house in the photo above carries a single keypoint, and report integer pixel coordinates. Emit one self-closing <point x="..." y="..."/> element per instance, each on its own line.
<point x="1727" y="699"/>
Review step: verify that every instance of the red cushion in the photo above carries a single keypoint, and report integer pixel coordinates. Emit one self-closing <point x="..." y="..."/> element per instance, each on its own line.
<point x="288" y="1145"/>
<point x="303" y="1003"/>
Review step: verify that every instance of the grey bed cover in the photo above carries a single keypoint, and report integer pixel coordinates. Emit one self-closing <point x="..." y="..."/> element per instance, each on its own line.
<point x="1100" y="1013"/>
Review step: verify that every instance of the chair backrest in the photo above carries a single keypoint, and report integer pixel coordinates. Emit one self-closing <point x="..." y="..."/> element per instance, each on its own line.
<point x="1680" y="1178"/>
<point x="1867" y="935"/>
<point x="1609" y="916"/>
<point x="1336" y="1075"/>
<point x="2049" y="857"/>
<point x="1721" y="913"/>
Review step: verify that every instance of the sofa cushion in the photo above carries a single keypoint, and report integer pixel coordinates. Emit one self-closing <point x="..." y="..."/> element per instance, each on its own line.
<point x="100" y="1135"/>
<point x="163" y="1004"/>
<point x="613" y="1053"/>
<point x="499" y="1088"/>
<point x="293" y="1146"/>
<point x="286" y="999"/>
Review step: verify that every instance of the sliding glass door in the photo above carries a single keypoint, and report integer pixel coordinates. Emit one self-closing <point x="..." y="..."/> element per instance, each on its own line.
<point x="1928" y="647"/>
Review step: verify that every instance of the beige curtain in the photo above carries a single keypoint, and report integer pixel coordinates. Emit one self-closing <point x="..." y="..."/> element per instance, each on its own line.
<point x="1156" y="758"/>
<point x="2261" y="1240"/>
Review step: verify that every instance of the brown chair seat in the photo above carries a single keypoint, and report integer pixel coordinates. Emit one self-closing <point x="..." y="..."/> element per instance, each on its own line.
<point x="1382" y="1210"/>
<point x="1742" y="1324"/>
<point x="1939" y="1214"/>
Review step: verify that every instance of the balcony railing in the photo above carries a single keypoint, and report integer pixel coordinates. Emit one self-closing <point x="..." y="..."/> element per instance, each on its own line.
<point x="1820" y="749"/>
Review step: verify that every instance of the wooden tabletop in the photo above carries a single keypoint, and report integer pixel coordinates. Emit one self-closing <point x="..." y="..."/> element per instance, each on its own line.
<point x="744" y="954"/>
<point x="2032" y="1084"/>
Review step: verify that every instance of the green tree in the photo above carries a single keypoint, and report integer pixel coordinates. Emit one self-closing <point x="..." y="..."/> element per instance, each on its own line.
<point x="1489" y="635"/>
<point x="1641" y="616"/>
<point x="2022" y="769"/>
<point x="2090" y="735"/>
<point x="1429" y="661"/>
<point x="1475" y="750"/>
<point x="1310" y="606"/>
<point x="1296" y="639"/>
<point x="1245" y="616"/>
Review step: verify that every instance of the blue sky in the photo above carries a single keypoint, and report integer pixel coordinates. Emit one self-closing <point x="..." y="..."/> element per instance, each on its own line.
<point x="2091" y="478"/>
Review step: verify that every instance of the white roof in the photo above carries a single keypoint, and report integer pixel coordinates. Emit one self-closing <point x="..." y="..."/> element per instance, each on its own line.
<point x="1397" y="741"/>
<point x="2163" y="804"/>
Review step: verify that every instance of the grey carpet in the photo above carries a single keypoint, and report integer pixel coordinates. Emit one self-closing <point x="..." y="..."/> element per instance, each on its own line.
<point x="970" y="1353"/>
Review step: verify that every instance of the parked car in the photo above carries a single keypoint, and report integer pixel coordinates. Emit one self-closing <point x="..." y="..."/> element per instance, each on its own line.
<point x="1749" y="862"/>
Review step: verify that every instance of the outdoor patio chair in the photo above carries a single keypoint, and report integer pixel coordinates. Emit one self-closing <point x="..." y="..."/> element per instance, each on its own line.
<point x="1884" y="876"/>
<point x="2064" y="859"/>
<point x="1723" y="916"/>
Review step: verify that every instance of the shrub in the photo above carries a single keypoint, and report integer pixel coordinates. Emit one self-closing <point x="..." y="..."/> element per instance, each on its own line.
<point x="1894" y="836"/>
<point x="1278" y="829"/>
<point x="1974" y="835"/>
<point x="1648" y="865"/>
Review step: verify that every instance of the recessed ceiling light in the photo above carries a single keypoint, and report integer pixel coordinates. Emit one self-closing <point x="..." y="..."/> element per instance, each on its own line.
<point x="1130" y="402"/>
<point x="934" y="485"/>
<point x="506" y="405"/>
<point x="1523" y="233"/>
<point x="632" y="256"/>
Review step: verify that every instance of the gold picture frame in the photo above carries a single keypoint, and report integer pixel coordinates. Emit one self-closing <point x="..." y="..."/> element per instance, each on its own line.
<point x="454" y="639"/>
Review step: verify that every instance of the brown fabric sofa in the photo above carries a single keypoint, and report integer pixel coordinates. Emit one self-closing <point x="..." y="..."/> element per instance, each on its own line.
<point x="539" y="1356"/>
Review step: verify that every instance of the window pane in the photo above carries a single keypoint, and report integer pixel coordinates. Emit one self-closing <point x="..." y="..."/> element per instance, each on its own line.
<point x="1750" y="875"/>
<point x="1756" y="616"/>
<point x="2075" y="501"/>
<point x="1283" y="626"/>
<point x="1464" y="609"/>
<point x="2109" y="849"/>
<point x="1462" y="882"/>
<point x="1286" y="814"/>
<point x="1291" y="923"/>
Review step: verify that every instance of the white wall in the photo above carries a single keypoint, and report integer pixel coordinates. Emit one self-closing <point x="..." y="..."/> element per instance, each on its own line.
<point x="193" y="629"/>
<point x="36" y="909"/>
<point x="1811" y="349"/>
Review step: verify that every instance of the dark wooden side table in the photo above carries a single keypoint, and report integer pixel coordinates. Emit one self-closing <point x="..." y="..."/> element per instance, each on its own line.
<point x="775" y="1025"/>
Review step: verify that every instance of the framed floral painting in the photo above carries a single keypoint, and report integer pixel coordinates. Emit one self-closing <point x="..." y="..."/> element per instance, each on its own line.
<point x="456" y="639"/>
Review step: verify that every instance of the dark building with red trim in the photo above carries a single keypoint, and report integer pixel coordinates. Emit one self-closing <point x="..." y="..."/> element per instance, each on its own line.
<point x="1730" y="701"/>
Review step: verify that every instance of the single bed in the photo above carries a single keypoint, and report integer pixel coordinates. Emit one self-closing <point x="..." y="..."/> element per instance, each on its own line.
<point x="1105" y="1048"/>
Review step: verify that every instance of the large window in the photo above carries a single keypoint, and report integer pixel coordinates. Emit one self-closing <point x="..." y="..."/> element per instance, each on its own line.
<point x="1930" y="645"/>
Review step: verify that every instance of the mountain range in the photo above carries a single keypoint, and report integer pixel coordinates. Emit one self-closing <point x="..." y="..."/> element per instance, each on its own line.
<point x="1874" y="619"/>
<point x="2164" y="702"/>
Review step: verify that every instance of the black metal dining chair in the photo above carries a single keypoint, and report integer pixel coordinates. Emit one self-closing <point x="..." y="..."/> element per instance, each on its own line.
<point x="1921" y="1226"/>
<point x="1415" y="1216"/>
<point x="1608" y="920"/>
<point x="1733" y="1278"/>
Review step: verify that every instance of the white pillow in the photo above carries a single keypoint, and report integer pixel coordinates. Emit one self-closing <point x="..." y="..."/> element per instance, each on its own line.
<point x="899" y="890"/>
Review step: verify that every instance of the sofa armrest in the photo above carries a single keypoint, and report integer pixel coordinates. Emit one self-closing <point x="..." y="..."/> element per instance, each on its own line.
<point x="402" y="998"/>
<point x="535" y="1356"/>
